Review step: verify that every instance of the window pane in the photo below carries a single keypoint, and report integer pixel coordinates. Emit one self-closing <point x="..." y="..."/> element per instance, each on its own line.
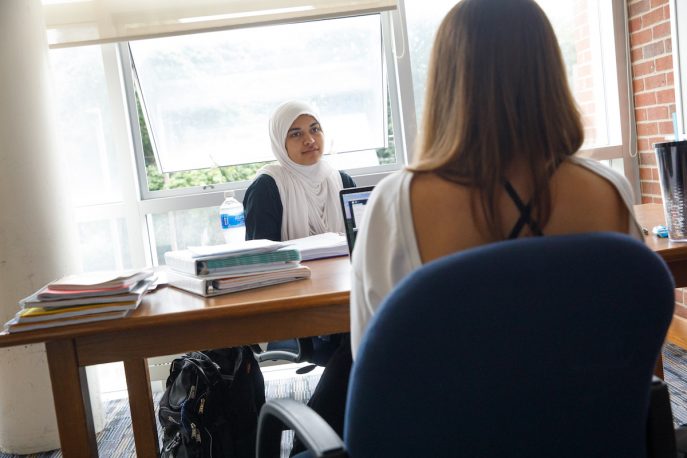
<point x="208" y="96"/>
<point x="84" y="127"/>
<point x="587" y="45"/>
<point x="104" y="246"/>
<point x="177" y="230"/>
<point x="423" y="19"/>
<point x="588" y="48"/>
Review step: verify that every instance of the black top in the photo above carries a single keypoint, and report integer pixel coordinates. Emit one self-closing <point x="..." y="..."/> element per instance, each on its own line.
<point x="525" y="214"/>
<point x="263" y="209"/>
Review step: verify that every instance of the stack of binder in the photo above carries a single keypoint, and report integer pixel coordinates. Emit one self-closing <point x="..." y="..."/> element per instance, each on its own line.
<point x="82" y="298"/>
<point x="222" y="269"/>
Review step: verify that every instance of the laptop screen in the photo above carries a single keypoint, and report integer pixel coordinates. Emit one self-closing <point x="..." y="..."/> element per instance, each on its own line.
<point x="353" y="201"/>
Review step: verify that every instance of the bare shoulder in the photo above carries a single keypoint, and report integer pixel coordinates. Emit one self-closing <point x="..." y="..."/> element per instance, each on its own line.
<point x="589" y="198"/>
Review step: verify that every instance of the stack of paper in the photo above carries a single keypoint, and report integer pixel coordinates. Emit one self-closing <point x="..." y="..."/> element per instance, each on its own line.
<point x="222" y="269"/>
<point x="321" y="246"/>
<point x="82" y="298"/>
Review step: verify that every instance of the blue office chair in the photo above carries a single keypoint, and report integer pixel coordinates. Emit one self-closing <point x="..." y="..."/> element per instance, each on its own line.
<point x="548" y="346"/>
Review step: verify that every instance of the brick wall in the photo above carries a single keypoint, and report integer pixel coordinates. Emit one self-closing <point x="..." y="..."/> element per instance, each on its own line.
<point x="654" y="94"/>
<point x="652" y="82"/>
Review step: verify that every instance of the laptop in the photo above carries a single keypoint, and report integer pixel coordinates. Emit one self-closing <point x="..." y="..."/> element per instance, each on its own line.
<point x="353" y="202"/>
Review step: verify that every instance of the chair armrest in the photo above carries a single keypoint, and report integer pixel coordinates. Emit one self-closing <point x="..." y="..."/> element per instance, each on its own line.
<point x="660" y="433"/>
<point x="304" y="350"/>
<point x="280" y="414"/>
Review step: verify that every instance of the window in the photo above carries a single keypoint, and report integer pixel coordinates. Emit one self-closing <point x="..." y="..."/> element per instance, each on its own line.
<point x="88" y="141"/>
<point x="590" y="48"/>
<point x="204" y="100"/>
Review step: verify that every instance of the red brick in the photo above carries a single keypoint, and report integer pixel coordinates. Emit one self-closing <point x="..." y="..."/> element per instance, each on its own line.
<point x="639" y="7"/>
<point x="655" y="3"/>
<point x="647" y="158"/>
<point x="657" y="113"/>
<point x="643" y="144"/>
<point x="653" y="50"/>
<point x="646" y="99"/>
<point x="654" y="140"/>
<point x="652" y="17"/>
<point x="635" y="24"/>
<point x="664" y="63"/>
<point x="651" y="187"/>
<point x="678" y="296"/>
<point x="647" y="200"/>
<point x="643" y="68"/>
<point x="583" y="71"/>
<point x="647" y="128"/>
<point x="583" y="43"/>
<point x="661" y="30"/>
<point x="670" y="81"/>
<point x="641" y="38"/>
<point x="584" y="56"/>
<point x="637" y="86"/>
<point x="645" y="174"/>
<point x="584" y="96"/>
<point x="655" y="81"/>
<point x="640" y="115"/>
<point x="666" y="127"/>
<point x="665" y="96"/>
<point x="636" y="54"/>
<point x="668" y="45"/>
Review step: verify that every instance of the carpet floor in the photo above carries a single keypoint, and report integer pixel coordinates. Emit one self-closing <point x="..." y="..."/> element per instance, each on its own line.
<point x="116" y="440"/>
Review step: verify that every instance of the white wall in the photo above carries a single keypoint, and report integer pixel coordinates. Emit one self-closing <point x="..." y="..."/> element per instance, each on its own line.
<point x="36" y="238"/>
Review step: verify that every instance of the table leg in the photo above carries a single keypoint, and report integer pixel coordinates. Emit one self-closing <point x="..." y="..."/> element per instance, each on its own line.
<point x="72" y="401"/>
<point x="658" y="370"/>
<point x="141" y="405"/>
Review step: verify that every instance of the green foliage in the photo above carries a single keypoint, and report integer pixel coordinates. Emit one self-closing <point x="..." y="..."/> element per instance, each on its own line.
<point x="156" y="181"/>
<point x="148" y="155"/>
<point x="202" y="177"/>
<point x="388" y="155"/>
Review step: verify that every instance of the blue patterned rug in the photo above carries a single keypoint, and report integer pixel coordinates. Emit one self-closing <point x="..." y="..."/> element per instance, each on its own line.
<point x="116" y="439"/>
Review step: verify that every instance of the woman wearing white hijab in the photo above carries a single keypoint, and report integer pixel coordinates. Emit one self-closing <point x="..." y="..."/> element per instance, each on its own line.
<point x="295" y="198"/>
<point x="299" y="196"/>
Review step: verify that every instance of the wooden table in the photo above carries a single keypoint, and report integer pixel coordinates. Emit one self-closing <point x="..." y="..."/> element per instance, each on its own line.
<point x="675" y="255"/>
<point x="170" y="321"/>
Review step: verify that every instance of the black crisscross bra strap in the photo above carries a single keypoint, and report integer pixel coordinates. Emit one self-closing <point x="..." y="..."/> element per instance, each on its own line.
<point x="525" y="214"/>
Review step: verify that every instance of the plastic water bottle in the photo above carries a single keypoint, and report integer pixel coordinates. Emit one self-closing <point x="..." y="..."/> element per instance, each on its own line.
<point x="232" y="219"/>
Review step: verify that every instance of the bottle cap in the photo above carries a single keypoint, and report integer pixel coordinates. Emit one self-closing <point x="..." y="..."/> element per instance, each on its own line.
<point x="228" y="194"/>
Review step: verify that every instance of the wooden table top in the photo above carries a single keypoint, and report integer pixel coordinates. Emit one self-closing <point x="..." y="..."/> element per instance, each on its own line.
<point x="328" y="285"/>
<point x="650" y="215"/>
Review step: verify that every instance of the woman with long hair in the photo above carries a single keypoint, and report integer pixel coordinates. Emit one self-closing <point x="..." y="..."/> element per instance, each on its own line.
<point x="496" y="158"/>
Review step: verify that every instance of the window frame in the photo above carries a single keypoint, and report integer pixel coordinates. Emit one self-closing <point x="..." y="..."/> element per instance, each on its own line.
<point x="369" y="175"/>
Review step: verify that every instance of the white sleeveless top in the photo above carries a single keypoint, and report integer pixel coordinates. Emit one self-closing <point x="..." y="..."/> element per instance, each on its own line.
<point x="386" y="248"/>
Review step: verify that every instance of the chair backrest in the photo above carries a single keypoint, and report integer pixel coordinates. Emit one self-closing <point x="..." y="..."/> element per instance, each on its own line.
<point x="528" y="348"/>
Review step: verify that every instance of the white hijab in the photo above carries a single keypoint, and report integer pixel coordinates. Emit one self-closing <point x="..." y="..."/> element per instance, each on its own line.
<point x="309" y="193"/>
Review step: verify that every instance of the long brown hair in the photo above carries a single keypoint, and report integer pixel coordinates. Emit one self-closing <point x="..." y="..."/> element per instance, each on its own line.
<point x="497" y="92"/>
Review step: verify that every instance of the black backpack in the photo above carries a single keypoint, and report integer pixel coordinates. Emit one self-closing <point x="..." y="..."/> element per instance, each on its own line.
<point x="211" y="404"/>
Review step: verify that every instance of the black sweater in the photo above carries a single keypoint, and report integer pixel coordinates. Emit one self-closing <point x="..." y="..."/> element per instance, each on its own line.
<point x="263" y="209"/>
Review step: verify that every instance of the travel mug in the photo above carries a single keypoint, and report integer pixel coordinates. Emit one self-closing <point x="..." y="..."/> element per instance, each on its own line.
<point x="671" y="158"/>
